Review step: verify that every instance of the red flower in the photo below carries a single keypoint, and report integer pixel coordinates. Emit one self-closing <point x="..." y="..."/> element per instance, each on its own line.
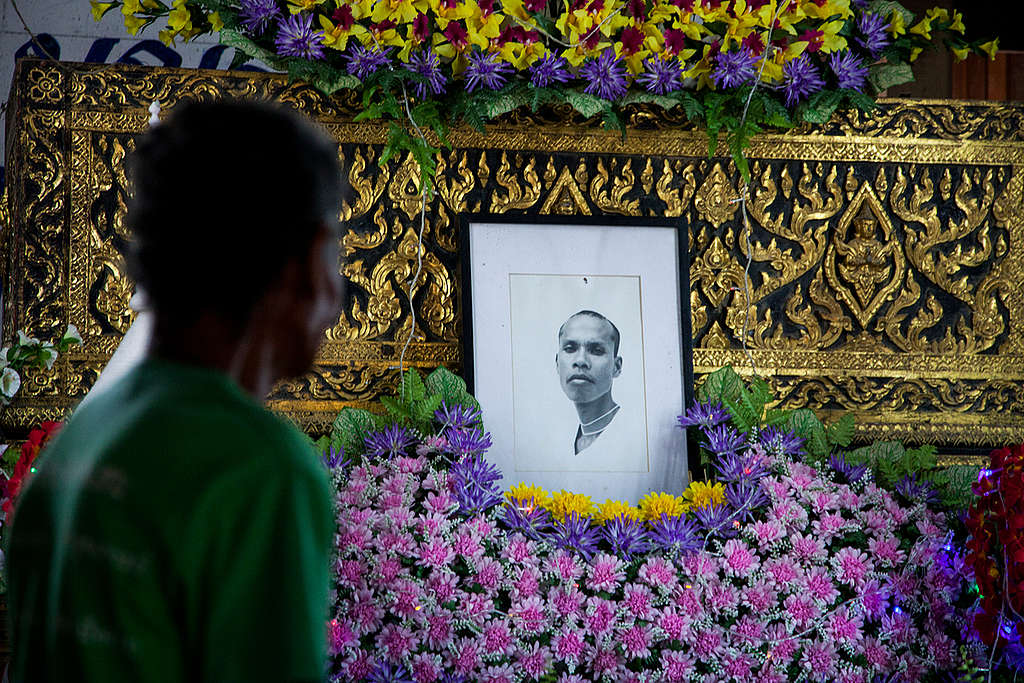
<point x="754" y="43"/>
<point x="343" y="17"/>
<point x="420" y="27"/>
<point x="456" y="34"/>
<point x="632" y="40"/>
<point x="535" y="5"/>
<point x="675" y="41"/>
<point x="814" y="39"/>
<point x="23" y="469"/>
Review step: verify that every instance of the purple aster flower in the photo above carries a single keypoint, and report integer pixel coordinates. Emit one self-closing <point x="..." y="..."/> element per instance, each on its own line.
<point x="427" y="64"/>
<point x="850" y="472"/>
<point x="605" y="76"/>
<point x="362" y="62"/>
<point x="549" y="69"/>
<point x="733" y="69"/>
<point x="917" y="491"/>
<point x="849" y="70"/>
<point x="717" y="520"/>
<point x="736" y="467"/>
<point x="777" y="442"/>
<point x="485" y="69"/>
<point x="333" y="459"/>
<point x="257" y="15"/>
<point x="745" y="498"/>
<point x="722" y="439"/>
<point x="463" y="442"/>
<point x="386" y="673"/>
<point x="474" y="483"/>
<point x="575" y="533"/>
<point x="296" y="38"/>
<point x="677" y="534"/>
<point x="626" y="536"/>
<point x="871" y="33"/>
<point x="532" y="521"/>
<point x="452" y="678"/>
<point x="457" y="416"/>
<point x="704" y="415"/>
<point x="661" y="76"/>
<point x="800" y="79"/>
<point x="388" y="443"/>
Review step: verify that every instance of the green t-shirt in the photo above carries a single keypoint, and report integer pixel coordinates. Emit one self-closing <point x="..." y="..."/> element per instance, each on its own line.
<point x="174" y="531"/>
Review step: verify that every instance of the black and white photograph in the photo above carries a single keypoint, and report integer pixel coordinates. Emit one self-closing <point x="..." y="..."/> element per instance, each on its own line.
<point x="575" y="343"/>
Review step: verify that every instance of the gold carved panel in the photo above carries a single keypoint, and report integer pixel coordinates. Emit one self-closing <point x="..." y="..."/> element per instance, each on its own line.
<point x="881" y="274"/>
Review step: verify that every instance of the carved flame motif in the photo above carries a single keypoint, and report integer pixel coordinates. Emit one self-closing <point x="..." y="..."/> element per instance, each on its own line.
<point x="865" y="261"/>
<point x="715" y="198"/>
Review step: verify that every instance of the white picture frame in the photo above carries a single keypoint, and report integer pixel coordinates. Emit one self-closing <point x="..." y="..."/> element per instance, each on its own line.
<point x="524" y="280"/>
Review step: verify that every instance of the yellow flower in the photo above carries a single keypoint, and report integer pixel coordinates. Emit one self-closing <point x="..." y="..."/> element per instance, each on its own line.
<point x="990" y="48"/>
<point x="564" y="502"/>
<point x="167" y="37"/>
<point x="654" y="505"/>
<point x="611" y="509"/>
<point x="937" y="14"/>
<point x="216" y="23"/>
<point x="915" y="53"/>
<point x="398" y="11"/>
<point x="961" y="53"/>
<point x="958" y="23"/>
<point x="99" y="9"/>
<point x="832" y="41"/>
<point x="522" y="56"/>
<point x="896" y="25"/>
<point x="180" y="19"/>
<point x="336" y="37"/>
<point x="131" y="7"/>
<point x="700" y="493"/>
<point x="134" y="24"/>
<point x="828" y="9"/>
<point x="296" y="6"/>
<point x="527" y="495"/>
<point x="923" y="28"/>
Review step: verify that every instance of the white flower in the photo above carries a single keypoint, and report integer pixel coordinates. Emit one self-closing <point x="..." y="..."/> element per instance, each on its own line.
<point x="10" y="382"/>
<point x="72" y="336"/>
<point x="3" y="357"/>
<point x="25" y="340"/>
<point x="48" y="354"/>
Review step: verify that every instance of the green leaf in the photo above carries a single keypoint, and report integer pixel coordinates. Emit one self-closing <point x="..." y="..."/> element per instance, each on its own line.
<point x="508" y="100"/>
<point x="776" y="114"/>
<point x="450" y="387"/>
<point x="351" y="427"/>
<point x="840" y="433"/>
<point x="805" y="424"/>
<point x="955" y="491"/>
<point x="884" y="76"/>
<point x="919" y="459"/>
<point x="860" y="100"/>
<point x="666" y="102"/>
<point x="587" y="105"/>
<point x="887" y="7"/>
<point x="693" y="107"/>
<point x="398" y="410"/>
<point x="720" y="385"/>
<point x="821" y="106"/>
<point x="333" y="81"/>
<point x="423" y="410"/>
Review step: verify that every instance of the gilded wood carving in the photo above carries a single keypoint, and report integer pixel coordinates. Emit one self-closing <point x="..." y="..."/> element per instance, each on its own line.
<point x="879" y="271"/>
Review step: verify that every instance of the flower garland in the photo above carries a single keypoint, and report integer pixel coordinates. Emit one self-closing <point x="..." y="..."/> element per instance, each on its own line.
<point x="23" y="470"/>
<point x="778" y="571"/>
<point x="435" y="63"/>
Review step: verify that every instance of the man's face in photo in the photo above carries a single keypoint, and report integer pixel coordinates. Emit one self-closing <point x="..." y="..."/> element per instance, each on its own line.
<point x="586" y="358"/>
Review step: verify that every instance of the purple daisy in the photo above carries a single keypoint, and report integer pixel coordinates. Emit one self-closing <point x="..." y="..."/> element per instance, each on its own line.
<point x="427" y="64"/>
<point x="800" y="79"/>
<point x="485" y="69"/>
<point x="704" y="415"/>
<point x="916" y="491"/>
<point x="388" y="443"/>
<point x="362" y="62"/>
<point x="296" y="38"/>
<point x="457" y="416"/>
<point x="575" y="533"/>
<point x="722" y="439"/>
<point x="257" y="15"/>
<point x="463" y="442"/>
<point x="745" y="498"/>
<point x="531" y="522"/>
<point x="777" y="442"/>
<point x="717" y="520"/>
<point x="333" y="459"/>
<point x="626" y="536"/>
<point x="735" y="467"/>
<point x="677" y="534"/>
<point x="386" y="673"/>
<point x="849" y="70"/>
<point x="605" y="76"/>
<point x="661" y="76"/>
<point x="851" y="473"/>
<point x="871" y="33"/>
<point x="475" y="485"/>
<point x="733" y="69"/>
<point x="549" y="69"/>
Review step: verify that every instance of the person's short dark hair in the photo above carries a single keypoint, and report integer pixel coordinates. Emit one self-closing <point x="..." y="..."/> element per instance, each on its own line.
<point x="595" y="314"/>
<point x="224" y="194"/>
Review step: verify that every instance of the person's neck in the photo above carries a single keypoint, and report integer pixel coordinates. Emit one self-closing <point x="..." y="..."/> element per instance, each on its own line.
<point x="594" y="410"/>
<point x="211" y="342"/>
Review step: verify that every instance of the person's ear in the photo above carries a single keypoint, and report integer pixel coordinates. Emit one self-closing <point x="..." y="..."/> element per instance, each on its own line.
<point x="618" y="366"/>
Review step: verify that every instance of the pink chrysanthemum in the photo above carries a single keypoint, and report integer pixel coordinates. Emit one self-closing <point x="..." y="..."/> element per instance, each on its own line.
<point x="845" y="627"/>
<point x="739" y="560"/>
<point x="529" y="615"/>
<point x="807" y="547"/>
<point x="565" y="565"/>
<point x="783" y="571"/>
<point x="708" y="642"/>
<point x="600" y="615"/>
<point x="426" y="668"/>
<point x="568" y="645"/>
<point x="851" y="566"/>
<point x="766" y="533"/>
<point x="496" y="638"/>
<point x="801" y="609"/>
<point x="820" y="657"/>
<point x="887" y="551"/>
<point x="676" y="666"/>
<point x="566" y="601"/>
<point x="722" y="597"/>
<point x="638" y="600"/>
<point x="606" y="572"/>
<point x="396" y="641"/>
<point x="658" y="572"/>
<point x="819" y="586"/>
<point x="674" y="625"/>
<point x="439" y="630"/>
<point x="636" y="641"/>
<point x="534" y="660"/>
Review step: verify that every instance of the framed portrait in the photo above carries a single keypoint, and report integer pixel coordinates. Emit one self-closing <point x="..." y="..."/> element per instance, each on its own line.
<point x="577" y="343"/>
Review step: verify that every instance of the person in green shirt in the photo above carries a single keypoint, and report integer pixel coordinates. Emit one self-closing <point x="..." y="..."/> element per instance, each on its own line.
<point x="175" y="530"/>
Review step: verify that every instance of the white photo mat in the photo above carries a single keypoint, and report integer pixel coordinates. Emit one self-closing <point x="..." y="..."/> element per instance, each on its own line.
<point x="525" y="280"/>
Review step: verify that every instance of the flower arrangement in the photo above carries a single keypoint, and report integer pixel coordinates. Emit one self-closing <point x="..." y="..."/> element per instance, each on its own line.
<point x="30" y="352"/>
<point x="737" y="66"/>
<point x="23" y="469"/>
<point x="779" y="570"/>
<point x="996" y="524"/>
